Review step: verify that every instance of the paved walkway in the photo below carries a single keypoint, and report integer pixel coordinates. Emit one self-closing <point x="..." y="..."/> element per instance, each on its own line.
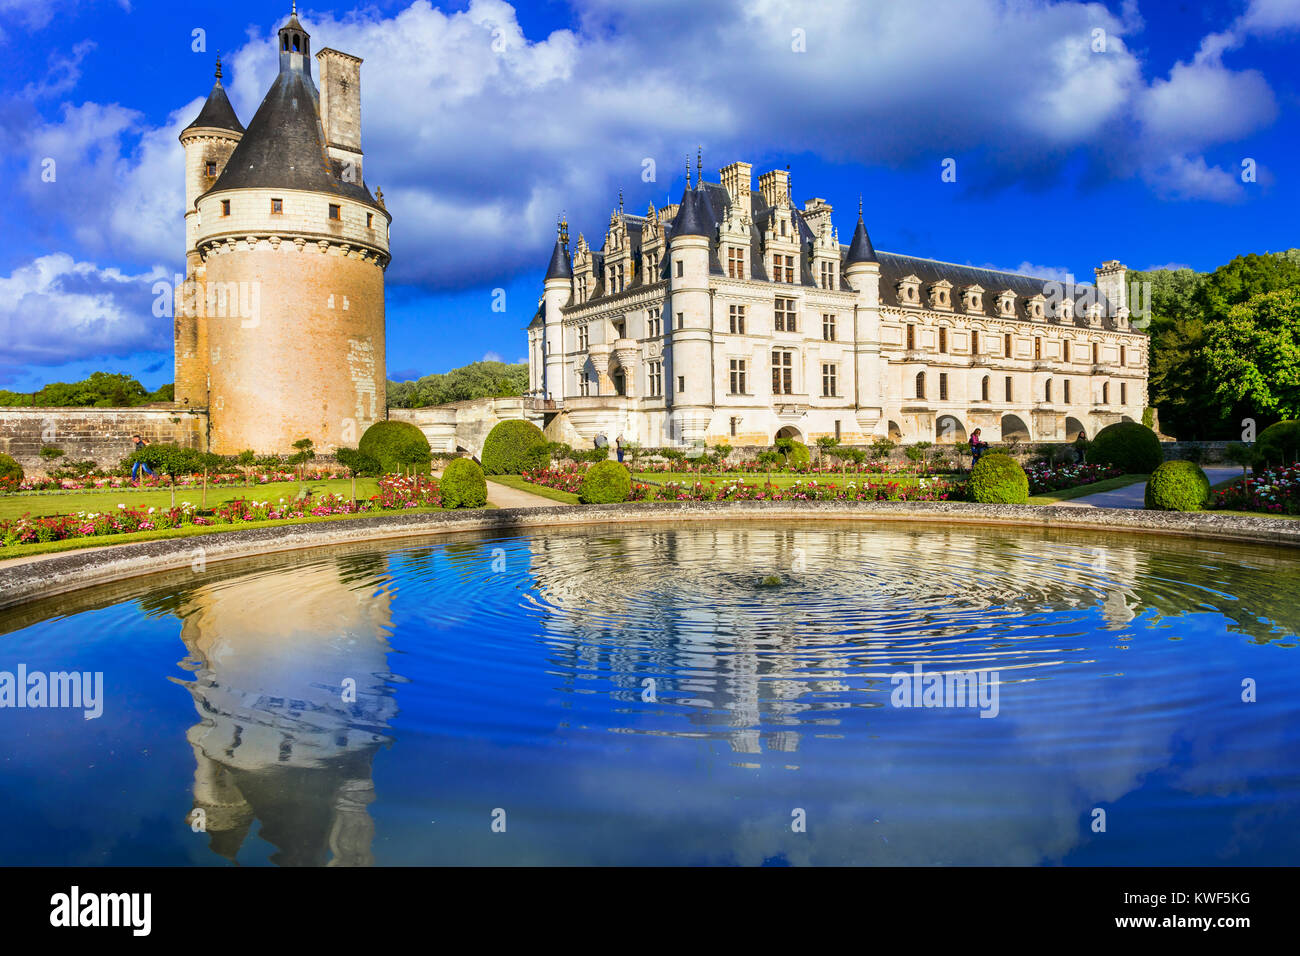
<point x="505" y="497"/>
<point x="1134" y="496"/>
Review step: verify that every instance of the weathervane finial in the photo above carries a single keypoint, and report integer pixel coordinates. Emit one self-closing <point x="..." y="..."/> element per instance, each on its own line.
<point x="218" y="73"/>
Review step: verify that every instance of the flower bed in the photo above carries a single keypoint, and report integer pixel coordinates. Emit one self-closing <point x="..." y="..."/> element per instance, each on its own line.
<point x="109" y="482"/>
<point x="395" y="493"/>
<point x="1275" y="491"/>
<point x="926" y="489"/>
<point x="755" y="467"/>
<point x="567" y="478"/>
<point x="1043" y="478"/>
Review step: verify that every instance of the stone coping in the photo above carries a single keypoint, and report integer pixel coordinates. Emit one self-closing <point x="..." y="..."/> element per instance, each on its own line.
<point x="63" y="573"/>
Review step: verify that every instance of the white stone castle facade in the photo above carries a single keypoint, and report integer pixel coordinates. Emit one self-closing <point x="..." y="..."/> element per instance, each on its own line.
<point x="736" y="317"/>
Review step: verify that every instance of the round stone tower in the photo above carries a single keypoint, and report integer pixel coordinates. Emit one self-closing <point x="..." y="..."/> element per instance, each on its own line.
<point x="291" y="249"/>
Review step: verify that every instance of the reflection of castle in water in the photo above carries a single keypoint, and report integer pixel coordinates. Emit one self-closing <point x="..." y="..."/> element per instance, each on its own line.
<point x="753" y="665"/>
<point x="280" y="741"/>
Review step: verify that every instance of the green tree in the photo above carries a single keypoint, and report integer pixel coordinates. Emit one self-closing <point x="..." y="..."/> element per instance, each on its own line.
<point x="303" y="453"/>
<point x="1252" y="355"/>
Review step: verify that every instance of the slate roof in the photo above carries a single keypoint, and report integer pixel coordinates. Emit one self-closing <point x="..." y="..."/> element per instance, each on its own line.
<point x="860" y="249"/>
<point x="284" y="146"/>
<point x="217" y="113"/>
<point x="560" y="267"/>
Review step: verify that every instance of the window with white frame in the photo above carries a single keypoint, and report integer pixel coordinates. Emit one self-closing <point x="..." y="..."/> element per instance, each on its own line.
<point x="654" y="323"/>
<point x="782" y="268"/>
<point x="786" y="319"/>
<point x="830" y="373"/>
<point x="829" y="274"/>
<point x="738" y="377"/>
<point x="582" y="338"/>
<point x="656" y="379"/>
<point x="735" y="262"/>
<point x="828" y="327"/>
<point x="782" y="372"/>
<point x="736" y="315"/>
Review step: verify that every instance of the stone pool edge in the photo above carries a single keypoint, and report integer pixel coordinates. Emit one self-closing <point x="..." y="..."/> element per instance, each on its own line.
<point x="75" y="570"/>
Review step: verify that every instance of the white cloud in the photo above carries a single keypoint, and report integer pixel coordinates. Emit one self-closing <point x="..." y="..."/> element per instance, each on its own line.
<point x="491" y="357"/>
<point x="1168" y="267"/>
<point x="55" y="309"/>
<point x="1191" y="177"/>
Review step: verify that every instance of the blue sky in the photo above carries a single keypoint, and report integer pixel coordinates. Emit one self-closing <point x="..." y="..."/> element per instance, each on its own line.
<point x="482" y="120"/>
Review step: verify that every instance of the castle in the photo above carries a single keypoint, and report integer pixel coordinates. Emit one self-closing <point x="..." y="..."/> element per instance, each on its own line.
<point x="736" y="317"/>
<point x="279" y="325"/>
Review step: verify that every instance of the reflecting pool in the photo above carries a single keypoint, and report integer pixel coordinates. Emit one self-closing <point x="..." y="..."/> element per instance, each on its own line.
<point x="710" y="694"/>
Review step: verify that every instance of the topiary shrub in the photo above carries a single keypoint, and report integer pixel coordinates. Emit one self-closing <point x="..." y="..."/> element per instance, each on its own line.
<point x="10" y="470"/>
<point x="390" y="443"/>
<point x="514" y="447"/>
<point x="605" y="483"/>
<point x="1177" y="486"/>
<point x="998" y="479"/>
<point x="463" y="485"/>
<point x="1129" y="446"/>
<point x="1279" y="444"/>
<point x="798" y="456"/>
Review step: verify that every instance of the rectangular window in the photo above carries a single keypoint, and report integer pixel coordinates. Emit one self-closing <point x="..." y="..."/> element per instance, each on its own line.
<point x="984" y="389"/>
<point x="1123" y="393"/>
<point x="582" y="338"/>
<point x="837" y="429"/>
<point x="277" y="207"/>
<point x="782" y="268"/>
<point x="1038" y="348"/>
<point x="1009" y="388"/>
<point x="828" y="327"/>
<point x="785" y="319"/>
<point x="679" y="268"/>
<point x="738" y="377"/>
<point x="656" y="379"/>
<point x="782" y="373"/>
<point x="225" y="207"/>
<point x="370" y="220"/>
<point x="681" y="384"/>
<point x="1123" y="355"/>
<point x="654" y="324"/>
<point x="211" y="168"/>
<point x="334" y="211"/>
<point x="735" y="262"/>
<point x="737" y="317"/>
<point x="1066" y="386"/>
<point x="734" y="422"/>
<point x="584" y="384"/>
<point x="911" y="338"/>
<point x="1096" y="354"/>
<point x="1006" y="345"/>
<point x="828" y="380"/>
<point x="974" y="343"/>
<point x="943" y="386"/>
<point x="828" y="275"/>
<point x="943" y="339"/>
<point x="681" y="320"/>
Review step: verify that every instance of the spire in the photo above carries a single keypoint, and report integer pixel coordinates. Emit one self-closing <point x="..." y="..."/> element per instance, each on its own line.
<point x="699" y="165"/>
<point x="294" y="44"/>
<point x="860" y="250"/>
<point x="620" y="200"/>
<point x="217" y="113"/>
<point x="693" y="218"/>
<point x="688" y="171"/>
<point x="218" y="73"/>
<point x="560" y="267"/>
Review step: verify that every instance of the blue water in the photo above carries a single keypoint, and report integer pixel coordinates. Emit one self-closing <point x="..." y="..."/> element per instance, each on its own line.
<point x="637" y="696"/>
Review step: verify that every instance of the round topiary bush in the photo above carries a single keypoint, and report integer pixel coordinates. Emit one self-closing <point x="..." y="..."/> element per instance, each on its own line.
<point x="10" y="470"/>
<point x="1177" y="486"/>
<point x="388" y="442"/>
<point x="1279" y="444"/>
<point x="462" y="484"/>
<point x="605" y="483"/>
<point x="797" y="456"/>
<point x="1128" y="446"/>
<point x="999" y="480"/>
<point x="514" y="447"/>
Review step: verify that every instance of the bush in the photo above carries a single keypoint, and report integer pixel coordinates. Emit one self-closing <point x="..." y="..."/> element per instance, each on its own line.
<point x="515" y="447"/>
<point x="463" y="485"/>
<point x="389" y="442"/>
<point x="1128" y="446"/>
<point x="1279" y="444"/>
<point x="10" y="470"/>
<point x="1177" y="486"/>
<point x="605" y="483"/>
<point x="998" y="479"/>
<point x="356" y="461"/>
<point x="795" y="452"/>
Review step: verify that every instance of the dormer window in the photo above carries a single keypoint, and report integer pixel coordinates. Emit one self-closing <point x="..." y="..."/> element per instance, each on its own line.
<point x="973" y="299"/>
<point x="1036" y="306"/>
<point x="909" y="290"/>
<point x="1007" y="303"/>
<point x="939" y="294"/>
<point x="735" y="262"/>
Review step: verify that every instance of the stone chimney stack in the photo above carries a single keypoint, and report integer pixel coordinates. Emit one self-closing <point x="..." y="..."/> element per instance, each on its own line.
<point x="736" y="180"/>
<point x="775" y="186"/>
<point x="340" y="109"/>
<point x="1111" y="276"/>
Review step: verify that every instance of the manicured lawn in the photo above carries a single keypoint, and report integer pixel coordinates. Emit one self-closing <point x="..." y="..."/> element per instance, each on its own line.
<point x="514" y="481"/>
<point x="72" y="502"/>
<point x="784" y="479"/>
<point x="1082" y="491"/>
<point x="186" y="531"/>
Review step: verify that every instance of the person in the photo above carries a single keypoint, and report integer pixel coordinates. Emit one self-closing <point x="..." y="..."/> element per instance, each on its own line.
<point x="977" y="447"/>
<point x="139" y="444"/>
<point x="618" y="447"/>
<point x="600" y="440"/>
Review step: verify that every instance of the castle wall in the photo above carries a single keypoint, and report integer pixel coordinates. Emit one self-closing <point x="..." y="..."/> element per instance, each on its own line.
<point x="464" y="426"/>
<point x="100" y="434"/>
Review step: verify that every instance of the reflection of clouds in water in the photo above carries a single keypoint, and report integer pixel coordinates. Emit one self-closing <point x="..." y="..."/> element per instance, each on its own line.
<point x="278" y="741"/>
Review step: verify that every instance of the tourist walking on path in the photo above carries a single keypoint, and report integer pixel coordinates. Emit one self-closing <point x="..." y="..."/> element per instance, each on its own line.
<point x="977" y="448"/>
<point x="140" y="444"/>
<point x="618" y="447"/>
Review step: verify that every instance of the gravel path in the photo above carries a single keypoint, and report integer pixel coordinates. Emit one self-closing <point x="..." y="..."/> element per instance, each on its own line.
<point x="1134" y="496"/>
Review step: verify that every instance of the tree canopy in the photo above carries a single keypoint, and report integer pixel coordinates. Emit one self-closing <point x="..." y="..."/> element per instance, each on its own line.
<point x="100" y="390"/>
<point x="476" y="380"/>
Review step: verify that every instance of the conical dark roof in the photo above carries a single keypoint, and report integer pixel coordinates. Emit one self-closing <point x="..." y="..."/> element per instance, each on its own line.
<point x="861" y="250"/>
<point x="284" y="146"/>
<point x="217" y="113"/>
<point x="560" y="267"/>
<point x="692" y="217"/>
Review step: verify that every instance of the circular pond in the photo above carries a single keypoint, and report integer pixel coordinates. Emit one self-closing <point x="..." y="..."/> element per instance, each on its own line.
<point x="718" y="693"/>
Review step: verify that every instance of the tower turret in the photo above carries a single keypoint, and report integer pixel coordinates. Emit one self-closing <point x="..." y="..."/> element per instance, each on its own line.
<point x="862" y="273"/>
<point x="688" y="372"/>
<point x="557" y="290"/>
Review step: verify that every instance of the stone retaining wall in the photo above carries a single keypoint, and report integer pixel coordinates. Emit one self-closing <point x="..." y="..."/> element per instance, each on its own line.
<point x="102" y="435"/>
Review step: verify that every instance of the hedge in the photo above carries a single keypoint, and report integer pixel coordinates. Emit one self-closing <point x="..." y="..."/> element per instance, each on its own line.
<point x="10" y="470"/>
<point x="463" y="485"/>
<point x="1279" y="444"/>
<point x="605" y="482"/>
<point x="390" y="444"/>
<point x="998" y="479"/>
<point x="1129" y="446"/>
<point x="1177" y="486"/>
<point x="515" y="447"/>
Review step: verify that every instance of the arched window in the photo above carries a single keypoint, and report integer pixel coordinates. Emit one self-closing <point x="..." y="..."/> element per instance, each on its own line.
<point x="295" y="43"/>
<point x="285" y="43"/>
<point x="984" y="389"/>
<point x="1047" y="394"/>
<point x="1105" y="393"/>
<point x="920" y="385"/>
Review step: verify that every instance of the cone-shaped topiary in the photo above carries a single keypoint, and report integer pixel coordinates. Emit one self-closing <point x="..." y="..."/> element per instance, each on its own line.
<point x="462" y="484"/>
<point x="1279" y="444"/>
<point x="1129" y="446"/>
<point x="999" y="480"/>
<point x="1177" y="486"/>
<point x="605" y="482"/>
<point x="391" y="443"/>
<point x="514" y="447"/>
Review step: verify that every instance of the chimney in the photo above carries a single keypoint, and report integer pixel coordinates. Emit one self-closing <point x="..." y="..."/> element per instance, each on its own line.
<point x="736" y="180"/>
<point x="340" y="110"/>
<point x="775" y="186"/>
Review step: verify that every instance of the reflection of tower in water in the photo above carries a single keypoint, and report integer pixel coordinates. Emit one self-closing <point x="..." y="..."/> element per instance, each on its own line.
<point x="282" y="739"/>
